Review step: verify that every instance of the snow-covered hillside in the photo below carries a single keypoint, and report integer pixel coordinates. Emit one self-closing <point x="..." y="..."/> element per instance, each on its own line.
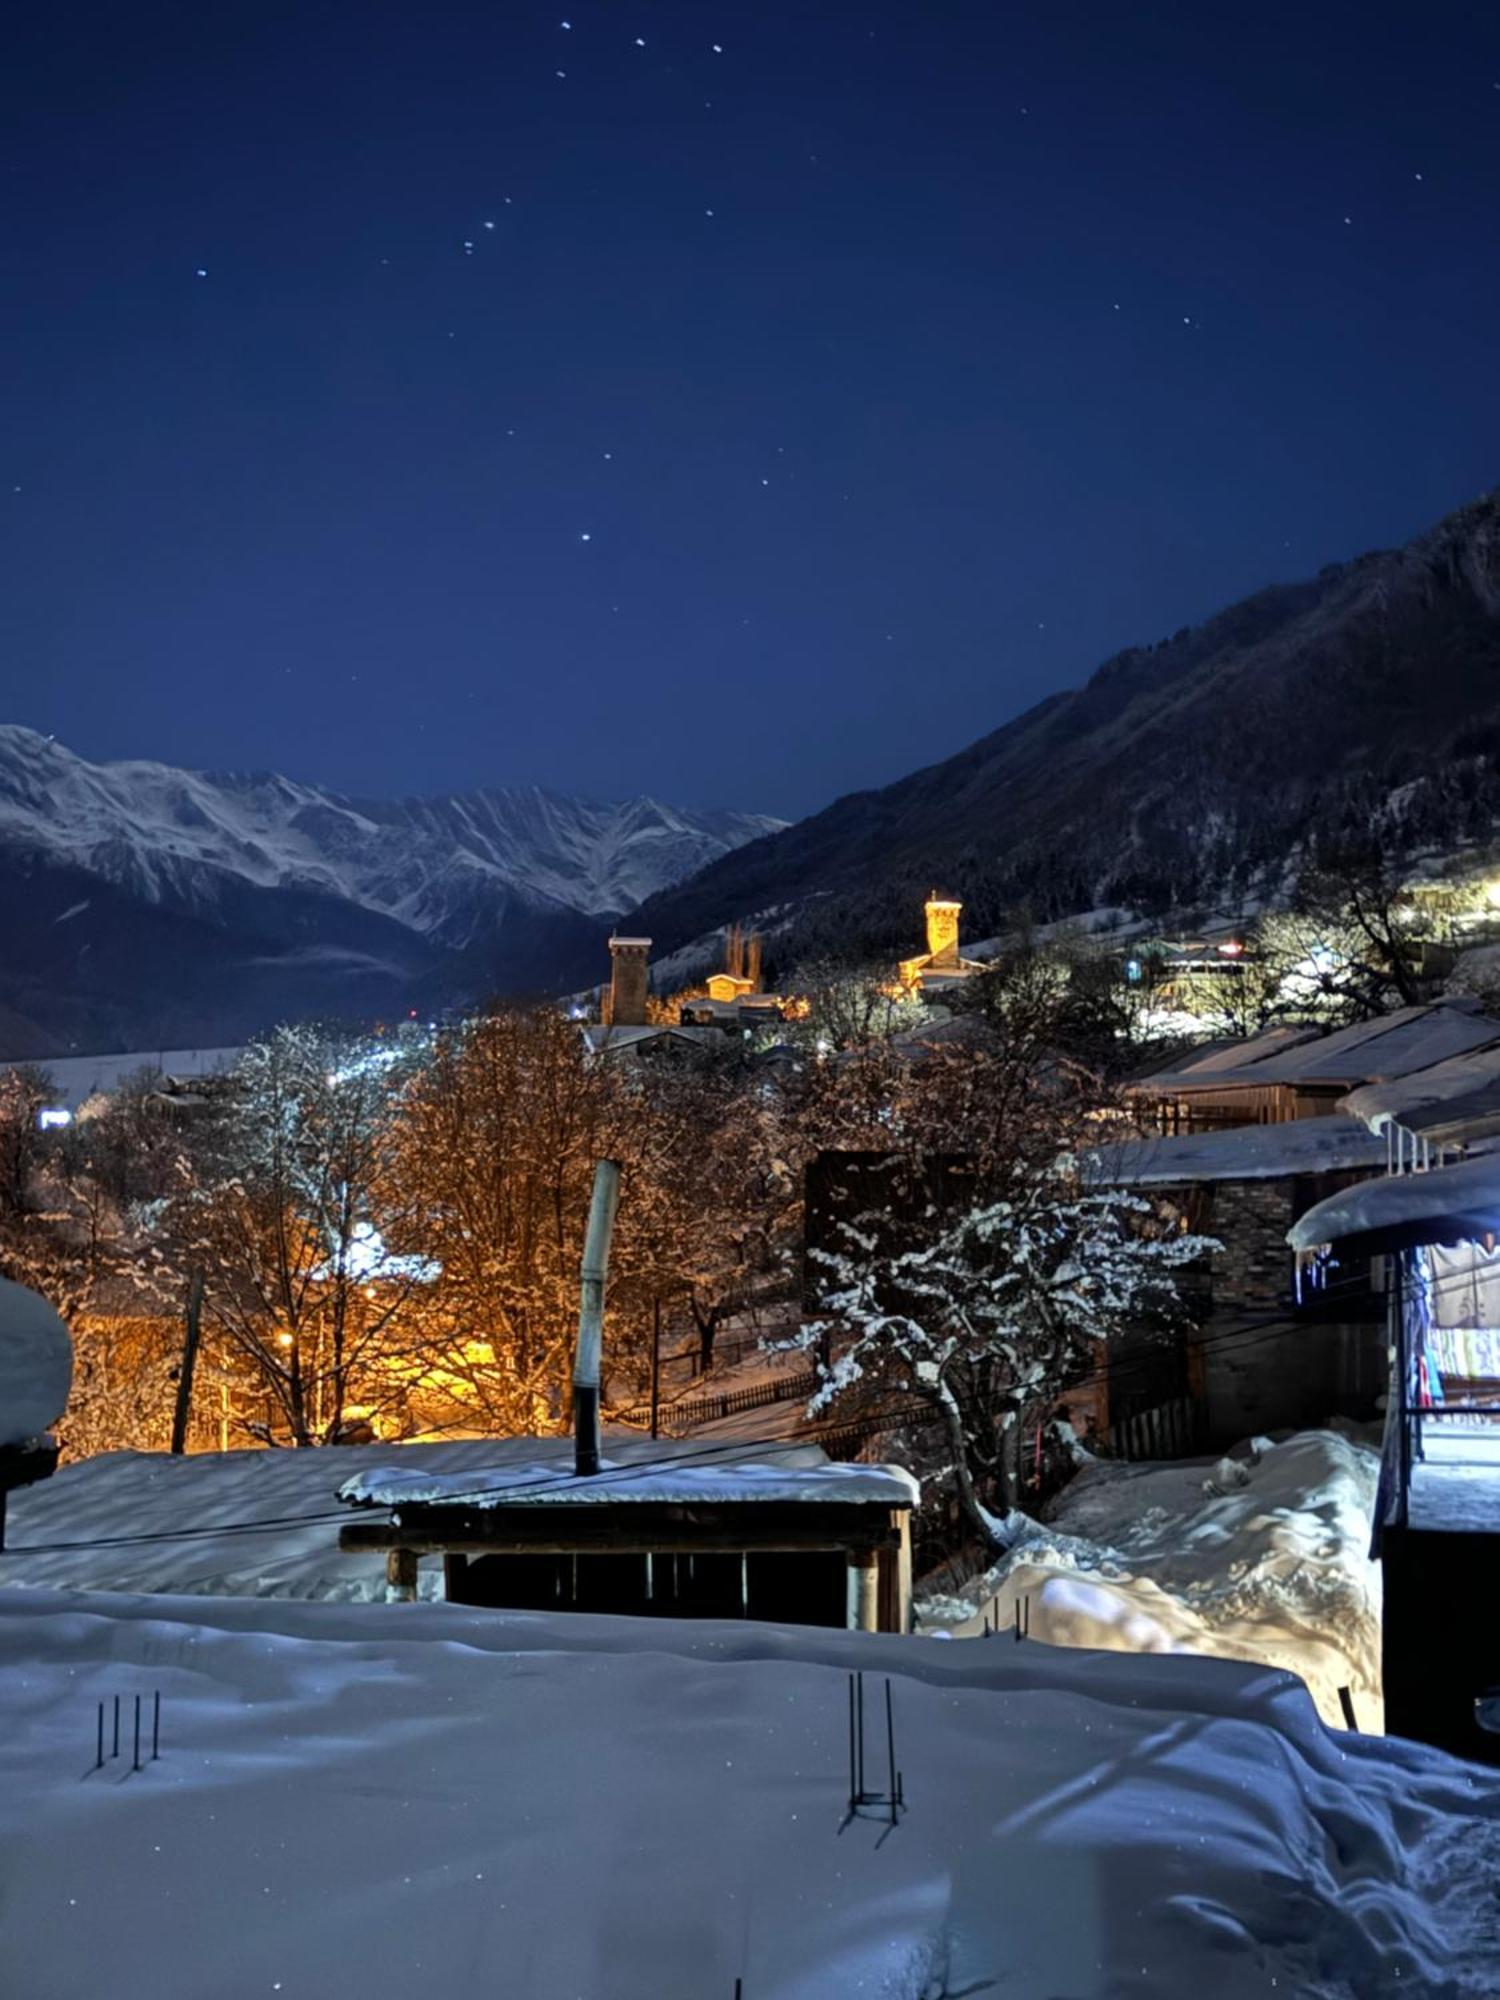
<point x="441" y="866"/>
<point x="385" y="1800"/>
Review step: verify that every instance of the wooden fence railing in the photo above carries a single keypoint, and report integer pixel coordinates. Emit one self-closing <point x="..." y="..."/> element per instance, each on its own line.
<point x="1174" y="1429"/>
<point x="709" y="1409"/>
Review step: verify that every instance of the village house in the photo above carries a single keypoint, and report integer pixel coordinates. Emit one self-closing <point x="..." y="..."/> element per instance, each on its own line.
<point x="1437" y="1516"/>
<point x="1247" y="1363"/>
<point x="1287" y="1073"/>
<point x="1254" y="1134"/>
<point x="734" y="1003"/>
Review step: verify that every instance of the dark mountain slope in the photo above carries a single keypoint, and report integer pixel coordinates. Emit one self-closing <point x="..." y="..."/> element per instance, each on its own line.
<point x="1181" y="772"/>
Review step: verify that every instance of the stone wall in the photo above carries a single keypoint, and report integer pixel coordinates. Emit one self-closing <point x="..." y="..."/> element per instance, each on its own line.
<point x="1253" y="1271"/>
<point x="1254" y="1363"/>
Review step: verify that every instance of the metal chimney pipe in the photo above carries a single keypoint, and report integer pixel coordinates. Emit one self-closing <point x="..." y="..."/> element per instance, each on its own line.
<point x="586" y="1362"/>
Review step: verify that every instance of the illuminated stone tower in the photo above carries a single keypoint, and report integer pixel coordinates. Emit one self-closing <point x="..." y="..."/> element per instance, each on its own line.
<point x="626" y="1005"/>
<point x="942" y="932"/>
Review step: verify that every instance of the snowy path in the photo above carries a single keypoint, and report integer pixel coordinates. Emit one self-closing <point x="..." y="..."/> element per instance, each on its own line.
<point x="397" y="1800"/>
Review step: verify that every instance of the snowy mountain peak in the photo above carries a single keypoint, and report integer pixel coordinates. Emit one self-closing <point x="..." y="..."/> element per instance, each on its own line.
<point x="449" y="868"/>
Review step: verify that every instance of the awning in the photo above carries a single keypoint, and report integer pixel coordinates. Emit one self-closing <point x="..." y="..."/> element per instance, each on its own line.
<point x="1448" y="1205"/>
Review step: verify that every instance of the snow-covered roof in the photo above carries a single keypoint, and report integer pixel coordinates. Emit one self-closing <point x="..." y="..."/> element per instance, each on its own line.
<point x="75" y="1079"/>
<point x="1243" y="1153"/>
<point x="1393" y="1045"/>
<point x="1209" y="1064"/>
<point x="619" y="1482"/>
<point x="602" y="1039"/>
<point x="1463" y="1089"/>
<point x="1447" y="1205"/>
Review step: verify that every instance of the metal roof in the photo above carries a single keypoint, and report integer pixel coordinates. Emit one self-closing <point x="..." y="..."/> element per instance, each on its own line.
<point x="1392" y="1045"/>
<point x="1452" y="1093"/>
<point x="1448" y="1205"/>
<point x="1243" y="1153"/>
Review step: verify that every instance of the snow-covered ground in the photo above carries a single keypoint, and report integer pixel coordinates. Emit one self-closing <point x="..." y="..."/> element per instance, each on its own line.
<point x="393" y="1800"/>
<point x="1262" y="1558"/>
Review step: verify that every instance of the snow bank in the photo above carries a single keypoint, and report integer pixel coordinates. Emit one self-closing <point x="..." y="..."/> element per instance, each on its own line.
<point x="1260" y="1559"/>
<point x="427" y="1799"/>
<point x="36" y="1364"/>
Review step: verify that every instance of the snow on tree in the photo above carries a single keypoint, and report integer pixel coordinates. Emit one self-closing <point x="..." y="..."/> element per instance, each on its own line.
<point x="982" y="1289"/>
<point x="296" y="1199"/>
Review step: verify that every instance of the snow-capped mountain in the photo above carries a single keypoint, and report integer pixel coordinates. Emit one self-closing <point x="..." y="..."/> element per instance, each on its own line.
<point x="490" y="890"/>
<point x="439" y="866"/>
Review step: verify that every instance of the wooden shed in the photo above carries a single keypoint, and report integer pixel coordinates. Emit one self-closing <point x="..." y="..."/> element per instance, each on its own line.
<point x="662" y="1529"/>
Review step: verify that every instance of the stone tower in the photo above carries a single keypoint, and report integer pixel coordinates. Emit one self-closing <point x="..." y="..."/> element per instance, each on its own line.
<point x="626" y="1006"/>
<point x="942" y="931"/>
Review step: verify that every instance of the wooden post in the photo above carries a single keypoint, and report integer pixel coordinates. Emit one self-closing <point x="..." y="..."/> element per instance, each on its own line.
<point x="192" y="1324"/>
<point x="864" y="1590"/>
<point x="902" y="1566"/>
<point x="401" y="1576"/>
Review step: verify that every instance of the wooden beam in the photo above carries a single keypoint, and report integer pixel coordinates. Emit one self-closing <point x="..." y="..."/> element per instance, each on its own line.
<point x="635" y="1531"/>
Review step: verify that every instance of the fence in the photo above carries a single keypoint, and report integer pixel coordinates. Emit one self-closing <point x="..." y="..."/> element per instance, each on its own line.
<point x="709" y="1409"/>
<point x="1175" y="1429"/>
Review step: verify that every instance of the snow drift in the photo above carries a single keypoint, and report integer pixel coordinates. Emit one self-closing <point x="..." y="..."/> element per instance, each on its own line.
<point x="385" y="1801"/>
<point x="1261" y="1558"/>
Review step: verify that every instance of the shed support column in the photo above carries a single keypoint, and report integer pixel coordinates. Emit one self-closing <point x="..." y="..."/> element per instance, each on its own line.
<point x="401" y="1576"/>
<point x="903" y="1576"/>
<point x="864" y="1590"/>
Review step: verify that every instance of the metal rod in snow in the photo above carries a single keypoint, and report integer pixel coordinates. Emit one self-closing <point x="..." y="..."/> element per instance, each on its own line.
<point x="1346" y="1703"/>
<point x="859" y="1703"/>
<point x="99" y="1761"/>
<point x="135" y="1761"/>
<point x="156" y="1726"/>
<point x="890" y="1747"/>
<point x="116" y="1751"/>
<point x="587" y="1361"/>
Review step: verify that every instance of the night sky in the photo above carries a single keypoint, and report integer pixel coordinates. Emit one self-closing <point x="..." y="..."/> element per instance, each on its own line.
<point x="741" y="403"/>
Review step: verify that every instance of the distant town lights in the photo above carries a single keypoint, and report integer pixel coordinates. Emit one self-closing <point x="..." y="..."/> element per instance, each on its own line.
<point x="52" y="1116"/>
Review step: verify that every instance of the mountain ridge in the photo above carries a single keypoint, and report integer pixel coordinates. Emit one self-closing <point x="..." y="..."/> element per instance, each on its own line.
<point x="302" y="898"/>
<point x="1177" y="772"/>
